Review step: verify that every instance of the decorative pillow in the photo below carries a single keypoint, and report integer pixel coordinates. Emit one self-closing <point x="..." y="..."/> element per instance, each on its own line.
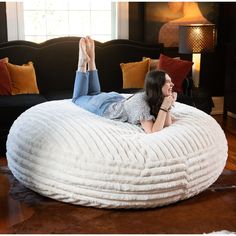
<point x="134" y="73"/>
<point x="177" y="70"/>
<point x="154" y="63"/>
<point x="23" y="78"/>
<point x="5" y="82"/>
<point x="5" y="60"/>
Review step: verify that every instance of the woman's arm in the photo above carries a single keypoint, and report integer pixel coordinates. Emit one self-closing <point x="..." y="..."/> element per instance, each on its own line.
<point x="150" y="127"/>
<point x="168" y="120"/>
<point x="163" y="118"/>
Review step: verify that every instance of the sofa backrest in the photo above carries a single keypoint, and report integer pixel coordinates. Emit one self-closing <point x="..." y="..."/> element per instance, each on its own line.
<point x="55" y="60"/>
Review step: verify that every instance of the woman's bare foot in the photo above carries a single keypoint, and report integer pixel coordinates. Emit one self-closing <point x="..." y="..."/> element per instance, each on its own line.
<point x="90" y="47"/>
<point x="91" y="53"/>
<point x="83" y="55"/>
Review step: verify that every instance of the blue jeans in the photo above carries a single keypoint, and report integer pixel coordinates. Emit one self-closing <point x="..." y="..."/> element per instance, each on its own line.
<point x="87" y="93"/>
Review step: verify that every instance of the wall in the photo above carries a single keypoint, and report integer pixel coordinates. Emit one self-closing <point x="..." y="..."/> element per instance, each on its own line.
<point x="136" y="21"/>
<point x="212" y="64"/>
<point x="3" y="23"/>
<point x="227" y="22"/>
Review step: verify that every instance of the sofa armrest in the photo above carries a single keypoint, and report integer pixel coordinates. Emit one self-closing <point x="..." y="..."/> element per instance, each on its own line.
<point x="202" y="99"/>
<point x="188" y="86"/>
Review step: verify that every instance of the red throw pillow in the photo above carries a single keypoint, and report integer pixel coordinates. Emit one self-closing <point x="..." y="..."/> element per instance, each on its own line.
<point x="176" y="69"/>
<point x="5" y="82"/>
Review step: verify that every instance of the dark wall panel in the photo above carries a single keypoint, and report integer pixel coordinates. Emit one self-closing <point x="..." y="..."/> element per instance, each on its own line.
<point x="227" y="22"/>
<point x="136" y="21"/>
<point x="3" y="22"/>
<point x="214" y="64"/>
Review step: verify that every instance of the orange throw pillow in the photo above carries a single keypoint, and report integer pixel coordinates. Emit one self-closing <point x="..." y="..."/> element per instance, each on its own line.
<point x="5" y="81"/>
<point x="134" y="73"/>
<point x="23" y="78"/>
<point x="177" y="70"/>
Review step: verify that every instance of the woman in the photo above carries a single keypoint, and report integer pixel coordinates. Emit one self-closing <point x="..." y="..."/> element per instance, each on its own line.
<point x="150" y="108"/>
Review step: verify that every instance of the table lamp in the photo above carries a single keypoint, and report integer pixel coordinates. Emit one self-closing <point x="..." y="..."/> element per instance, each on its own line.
<point x="196" y="39"/>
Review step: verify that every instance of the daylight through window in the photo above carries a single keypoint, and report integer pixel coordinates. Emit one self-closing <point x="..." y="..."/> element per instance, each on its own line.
<point x="46" y="19"/>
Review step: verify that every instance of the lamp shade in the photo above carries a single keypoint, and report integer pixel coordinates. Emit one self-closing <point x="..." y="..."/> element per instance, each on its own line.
<point x="197" y="38"/>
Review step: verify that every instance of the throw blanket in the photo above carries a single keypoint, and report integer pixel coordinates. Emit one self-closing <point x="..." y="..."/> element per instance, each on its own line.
<point x="64" y="152"/>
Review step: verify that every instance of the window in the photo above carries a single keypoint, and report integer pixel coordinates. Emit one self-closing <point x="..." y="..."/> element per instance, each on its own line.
<point x="40" y="20"/>
<point x="46" y="19"/>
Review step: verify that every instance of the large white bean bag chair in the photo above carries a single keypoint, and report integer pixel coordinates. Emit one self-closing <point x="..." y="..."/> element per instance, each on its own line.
<point x="66" y="153"/>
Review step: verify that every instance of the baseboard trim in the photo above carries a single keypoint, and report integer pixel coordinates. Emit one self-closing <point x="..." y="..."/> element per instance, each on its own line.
<point x="232" y="115"/>
<point x="218" y="108"/>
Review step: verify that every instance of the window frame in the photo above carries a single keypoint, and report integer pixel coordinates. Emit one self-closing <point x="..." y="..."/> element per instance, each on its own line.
<point x="15" y="20"/>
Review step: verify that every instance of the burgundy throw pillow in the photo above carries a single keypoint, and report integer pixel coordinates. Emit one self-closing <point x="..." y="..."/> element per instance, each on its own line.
<point x="5" y="82"/>
<point x="176" y="69"/>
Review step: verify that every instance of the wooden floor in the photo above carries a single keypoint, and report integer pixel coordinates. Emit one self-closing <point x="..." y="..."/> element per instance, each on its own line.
<point x="23" y="211"/>
<point x="229" y="126"/>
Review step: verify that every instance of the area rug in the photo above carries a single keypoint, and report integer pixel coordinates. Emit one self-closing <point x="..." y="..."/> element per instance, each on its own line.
<point x="212" y="211"/>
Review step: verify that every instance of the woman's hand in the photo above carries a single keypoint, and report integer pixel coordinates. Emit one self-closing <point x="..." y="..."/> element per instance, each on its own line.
<point x="167" y="102"/>
<point x="174" y="95"/>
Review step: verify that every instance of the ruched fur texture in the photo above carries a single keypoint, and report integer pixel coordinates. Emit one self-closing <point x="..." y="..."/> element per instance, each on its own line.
<point x="66" y="153"/>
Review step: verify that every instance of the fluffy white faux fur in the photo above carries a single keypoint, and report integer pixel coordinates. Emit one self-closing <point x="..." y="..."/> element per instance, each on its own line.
<point x="64" y="152"/>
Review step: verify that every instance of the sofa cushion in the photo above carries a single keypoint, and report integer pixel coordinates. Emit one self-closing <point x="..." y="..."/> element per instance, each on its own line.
<point x="58" y="95"/>
<point x="21" y="100"/>
<point x="129" y="90"/>
<point x="13" y="106"/>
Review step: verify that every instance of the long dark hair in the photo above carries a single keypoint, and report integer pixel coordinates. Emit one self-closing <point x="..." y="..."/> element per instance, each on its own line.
<point x="154" y="82"/>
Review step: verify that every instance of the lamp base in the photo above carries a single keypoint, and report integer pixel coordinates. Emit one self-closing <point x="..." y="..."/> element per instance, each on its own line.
<point x="196" y="69"/>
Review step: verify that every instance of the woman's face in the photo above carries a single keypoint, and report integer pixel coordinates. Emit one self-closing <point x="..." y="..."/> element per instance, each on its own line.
<point x="167" y="87"/>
